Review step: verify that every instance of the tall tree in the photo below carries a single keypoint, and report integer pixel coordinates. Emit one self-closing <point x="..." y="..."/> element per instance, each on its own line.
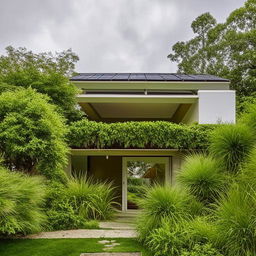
<point x="46" y="72"/>
<point x="229" y="49"/>
<point x="191" y="55"/>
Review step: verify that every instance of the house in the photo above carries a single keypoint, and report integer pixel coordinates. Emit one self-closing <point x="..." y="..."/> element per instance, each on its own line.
<point x="119" y="97"/>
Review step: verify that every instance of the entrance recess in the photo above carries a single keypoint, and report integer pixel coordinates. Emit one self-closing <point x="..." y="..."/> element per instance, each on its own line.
<point x="140" y="172"/>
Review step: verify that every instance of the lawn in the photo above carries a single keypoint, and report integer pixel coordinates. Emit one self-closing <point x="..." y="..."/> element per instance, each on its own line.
<point x="61" y="247"/>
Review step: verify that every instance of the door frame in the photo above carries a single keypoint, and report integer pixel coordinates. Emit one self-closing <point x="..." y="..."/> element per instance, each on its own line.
<point x="148" y="159"/>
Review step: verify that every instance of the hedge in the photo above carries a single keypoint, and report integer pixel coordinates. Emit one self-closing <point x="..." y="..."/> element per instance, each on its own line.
<point x="138" y="135"/>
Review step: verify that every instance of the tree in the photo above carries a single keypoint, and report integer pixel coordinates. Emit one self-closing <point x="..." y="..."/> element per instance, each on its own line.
<point x="32" y="133"/>
<point x="191" y="55"/>
<point x="45" y="72"/>
<point x="228" y="49"/>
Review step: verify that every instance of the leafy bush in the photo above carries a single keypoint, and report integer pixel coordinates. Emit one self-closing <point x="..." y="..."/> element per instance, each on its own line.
<point x="168" y="240"/>
<point x="78" y="203"/>
<point x="202" y="230"/>
<point x="32" y="133"/>
<point x="230" y="144"/>
<point x="201" y="250"/>
<point x="236" y="222"/>
<point x="21" y="200"/>
<point x="64" y="216"/>
<point x="203" y="177"/>
<point x="90" y="134"/>
<point x="46" y="72"/>
<point x="162" y="203"/>
<point x="249" y="117"/>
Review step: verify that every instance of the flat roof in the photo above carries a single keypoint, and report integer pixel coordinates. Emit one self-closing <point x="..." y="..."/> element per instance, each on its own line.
<point x="161" y="77"/>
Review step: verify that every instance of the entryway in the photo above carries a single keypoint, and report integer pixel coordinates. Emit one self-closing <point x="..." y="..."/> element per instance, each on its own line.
<point x="138" y="173"/>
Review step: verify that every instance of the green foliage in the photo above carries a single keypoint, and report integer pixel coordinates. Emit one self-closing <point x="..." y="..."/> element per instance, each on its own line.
<point x="225" y="49"/>
<point x="163" y="203"/>
<point x="191" y="56"/>
<point x="202" y="250"/>
<point x="91" y="199"/>
<point x="203" y="177"/>
<point x="231" y="144"/>
<point x="249" y="117"/>
<point x="31" y="133"/>
<point x="21" y="200"/>
<point x="90" y="134"/>
<point x="202" y="229"/>
<point x="79" y="203"/>
<point x="168" y="240"/>
<point x="45" y="72"/>
<point x="236" y="222"/>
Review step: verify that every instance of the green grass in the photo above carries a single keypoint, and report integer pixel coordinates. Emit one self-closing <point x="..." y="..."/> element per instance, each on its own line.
<point x="67" y="247"/>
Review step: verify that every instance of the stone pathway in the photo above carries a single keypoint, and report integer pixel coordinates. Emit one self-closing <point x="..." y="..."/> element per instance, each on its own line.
<point x="122" y="227"/>
<point x="85" y="233"/>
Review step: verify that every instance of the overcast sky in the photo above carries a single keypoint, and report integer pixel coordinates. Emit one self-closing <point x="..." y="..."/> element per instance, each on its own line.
<point x="108" y="35"/>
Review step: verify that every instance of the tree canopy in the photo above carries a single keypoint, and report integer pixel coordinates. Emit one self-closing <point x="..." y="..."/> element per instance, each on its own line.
<point x="46" y="72"/>
<point x="225" y="49"/>
<point x="32" y="133"/>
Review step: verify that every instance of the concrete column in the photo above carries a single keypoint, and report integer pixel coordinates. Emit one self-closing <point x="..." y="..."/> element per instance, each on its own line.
<point x="175" y="165"/>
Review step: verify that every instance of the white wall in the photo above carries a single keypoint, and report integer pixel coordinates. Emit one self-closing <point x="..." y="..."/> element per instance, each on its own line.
<point x="216" y="106"/>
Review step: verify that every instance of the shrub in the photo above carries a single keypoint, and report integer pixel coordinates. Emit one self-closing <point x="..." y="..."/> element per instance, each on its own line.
<point x="64" y="216"/>
<point x="202" y="250"/>
<point x="201" y="230"/>
<point x="249" y="117"/>
<point x="31" y="133"/>
<point x="236" y="222"/>
<point x="203" y="177"/>
<point x="92" y="200"/>
<point x="230" y="144"/>
<point x="90" y="134"/>
<point x="21" y="200"/>
<point x="161" y="203"/>
<point x="168" y="240"/>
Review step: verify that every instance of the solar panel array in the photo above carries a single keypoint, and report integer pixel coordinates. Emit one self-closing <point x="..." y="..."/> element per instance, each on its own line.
<point x="164" y="77"/>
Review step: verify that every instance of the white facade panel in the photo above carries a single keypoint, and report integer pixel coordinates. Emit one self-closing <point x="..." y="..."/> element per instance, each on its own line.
<point x="216" y="106"/>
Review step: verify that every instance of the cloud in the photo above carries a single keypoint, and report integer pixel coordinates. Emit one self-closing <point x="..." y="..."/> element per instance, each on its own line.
<point x="108" y="36"/>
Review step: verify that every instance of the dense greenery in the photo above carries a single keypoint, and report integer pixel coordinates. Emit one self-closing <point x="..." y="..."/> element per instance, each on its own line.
<point x="225" y="49"/>
<point x="231" y="144"/>
<point x="203" y="177"/>
<point x="32" y="133"/>
<point x="45" y="72"/>
<point x="21" y="202"/>
<point x="90" y="134"/>
<point x="221" y="220"/>
<point x="79" y="203"/>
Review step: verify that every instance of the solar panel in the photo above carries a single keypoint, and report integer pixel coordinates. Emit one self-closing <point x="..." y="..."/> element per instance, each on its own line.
<point x="137" y="77"/>
<point x="145" y="77"/>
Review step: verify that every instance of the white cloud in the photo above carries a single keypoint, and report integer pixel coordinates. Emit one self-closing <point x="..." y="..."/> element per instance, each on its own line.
<point x="108" y="36"/>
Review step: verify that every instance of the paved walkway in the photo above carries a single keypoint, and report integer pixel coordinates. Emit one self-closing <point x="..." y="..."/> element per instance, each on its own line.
<point x="122" y="227"/>
<point x="85" y="233"/>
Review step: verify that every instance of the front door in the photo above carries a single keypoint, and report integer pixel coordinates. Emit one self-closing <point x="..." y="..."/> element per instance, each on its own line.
<point x="138" y="173"/>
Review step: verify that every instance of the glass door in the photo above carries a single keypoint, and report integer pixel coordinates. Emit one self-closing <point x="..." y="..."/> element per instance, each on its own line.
<point x="139" y="173"/>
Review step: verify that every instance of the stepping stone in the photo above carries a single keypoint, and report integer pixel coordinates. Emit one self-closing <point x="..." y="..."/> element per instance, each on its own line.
<point x="111" y="254"/>
<point x="104" y="242"/>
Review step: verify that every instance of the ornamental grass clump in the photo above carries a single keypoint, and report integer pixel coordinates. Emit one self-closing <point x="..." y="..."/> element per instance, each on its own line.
<point x="231" y="144"/>
<point x="203" y="177"/>
<point x="236" y="222"/>
<point x="163" y="203"/>
<point x="21" y="201"/>
<point x="91" y="199"/>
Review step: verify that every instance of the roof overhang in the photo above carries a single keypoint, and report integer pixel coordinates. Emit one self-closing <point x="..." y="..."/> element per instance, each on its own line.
<point x="151" y="85"/>
<point x="125" y="152"/>
<point x="131" y="98"/>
